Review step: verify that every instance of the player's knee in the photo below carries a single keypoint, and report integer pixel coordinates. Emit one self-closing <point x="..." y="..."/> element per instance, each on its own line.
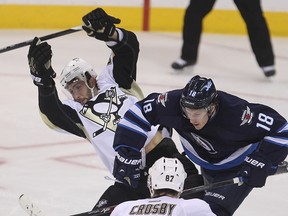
<point x="218" y="210"/>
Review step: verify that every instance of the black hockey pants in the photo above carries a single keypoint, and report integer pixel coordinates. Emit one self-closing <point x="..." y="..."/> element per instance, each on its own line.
<point x="119" y="193"/>
<point x="250" y="11"/>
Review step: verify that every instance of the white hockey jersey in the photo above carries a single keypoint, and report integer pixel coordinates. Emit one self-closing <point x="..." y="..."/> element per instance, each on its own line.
<point x="102" y="113"/>
<point x="164" y="206"/>
<point x="97" y="120"/>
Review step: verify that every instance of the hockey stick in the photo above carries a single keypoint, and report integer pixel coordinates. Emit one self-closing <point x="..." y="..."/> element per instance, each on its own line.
<point x="43" y="38"/>
<point x="282" y="168"/>
<point x="29" y="207"/>
<point x="236" y="180"/>
<point x="33" y="210"/>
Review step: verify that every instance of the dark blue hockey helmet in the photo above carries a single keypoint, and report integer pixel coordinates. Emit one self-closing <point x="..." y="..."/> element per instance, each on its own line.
<point x="199" y="93"/>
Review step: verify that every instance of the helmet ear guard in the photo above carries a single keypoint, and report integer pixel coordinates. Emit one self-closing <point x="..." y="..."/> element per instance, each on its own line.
<point x="166" y="173"/>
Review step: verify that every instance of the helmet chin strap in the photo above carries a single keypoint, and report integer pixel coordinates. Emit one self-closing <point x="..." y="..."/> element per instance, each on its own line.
<point x="88" y="77"/>
<point x="92" y="91"/>
<point x="210" y="110"/>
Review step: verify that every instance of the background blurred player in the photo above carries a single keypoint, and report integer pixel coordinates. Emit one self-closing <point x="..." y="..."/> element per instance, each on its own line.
<point x="256" y="25"/>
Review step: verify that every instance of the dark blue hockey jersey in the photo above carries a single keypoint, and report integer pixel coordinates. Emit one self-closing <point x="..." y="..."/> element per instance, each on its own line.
<point x="237" y="129"/>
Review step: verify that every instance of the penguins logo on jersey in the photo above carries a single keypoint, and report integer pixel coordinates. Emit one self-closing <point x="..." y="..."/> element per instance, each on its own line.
<point x="104" y="110"/>
<point x="246" y="116"/>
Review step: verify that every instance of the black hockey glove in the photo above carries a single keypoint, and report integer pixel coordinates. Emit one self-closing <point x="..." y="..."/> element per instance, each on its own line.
<point x="255" y="170"/>
<point x="99" y="24"/>
<point x="39" y="58"/>
<point x="127" y="167"/>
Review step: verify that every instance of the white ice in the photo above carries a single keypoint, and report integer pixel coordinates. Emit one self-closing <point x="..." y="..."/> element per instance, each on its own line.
<point x="62" y="173"/>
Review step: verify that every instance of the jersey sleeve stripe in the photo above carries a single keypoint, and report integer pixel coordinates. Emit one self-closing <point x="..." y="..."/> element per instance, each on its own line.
<point x="281" y="141"/>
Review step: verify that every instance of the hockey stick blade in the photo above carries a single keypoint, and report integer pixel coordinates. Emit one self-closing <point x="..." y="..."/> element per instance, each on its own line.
<point x="43" y="38"/>
<point x="29" y="207"/>
<point x="32" y="210"/>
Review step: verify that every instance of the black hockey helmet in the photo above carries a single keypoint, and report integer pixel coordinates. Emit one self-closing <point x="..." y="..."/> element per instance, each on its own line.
<point x="199" y="93"/>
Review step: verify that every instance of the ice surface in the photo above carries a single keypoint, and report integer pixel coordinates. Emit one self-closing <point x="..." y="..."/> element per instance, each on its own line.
<point x="62" y="173"/>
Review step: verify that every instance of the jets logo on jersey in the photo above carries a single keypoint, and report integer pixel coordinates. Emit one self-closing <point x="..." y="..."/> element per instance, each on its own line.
<point x="162" y="98"/>
<point x="104" y="110"/>
<point x="203" y="143"/>
<point x="246" y="116"/>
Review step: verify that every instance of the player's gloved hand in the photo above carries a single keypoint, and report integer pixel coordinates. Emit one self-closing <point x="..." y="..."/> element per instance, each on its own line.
<point x="255" y="170"/>
<point x="39" y="58"/>
<point x="99" y="24"/>
<point x="126" y="166"/>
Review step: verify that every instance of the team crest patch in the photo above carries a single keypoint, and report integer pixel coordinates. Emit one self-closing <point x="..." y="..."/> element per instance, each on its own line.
<point x="162" y="98"/>
<point x="246" y="116"/>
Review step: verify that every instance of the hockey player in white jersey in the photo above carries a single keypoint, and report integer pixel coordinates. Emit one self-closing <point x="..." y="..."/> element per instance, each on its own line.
<point x="165" y="181"/>
<point x="99" y="101"/>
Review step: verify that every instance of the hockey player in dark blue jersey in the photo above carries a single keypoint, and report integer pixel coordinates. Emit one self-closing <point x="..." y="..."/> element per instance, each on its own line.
<point x="222" y="133"/>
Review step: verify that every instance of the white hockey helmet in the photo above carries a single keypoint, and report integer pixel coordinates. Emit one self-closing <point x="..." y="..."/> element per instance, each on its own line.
<point x="166" y="173"/>
<point x="76" y="68"/>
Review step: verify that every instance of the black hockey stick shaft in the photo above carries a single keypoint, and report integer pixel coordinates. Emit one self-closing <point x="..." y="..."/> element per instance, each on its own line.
<point x="98" y="212"/>
<point x="32" y="209"/>
<point x="236" y="180"/>
<point x="107" y="210"/>
<point x="282" y="168"/>
<point x="43" y="38"/>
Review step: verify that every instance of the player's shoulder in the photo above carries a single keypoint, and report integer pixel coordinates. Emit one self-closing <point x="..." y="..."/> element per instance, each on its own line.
<point x="164" y="98"/>
<point x="231" y="103"/>
<point x="197" y="207"/>
<point x="226" y="97"/>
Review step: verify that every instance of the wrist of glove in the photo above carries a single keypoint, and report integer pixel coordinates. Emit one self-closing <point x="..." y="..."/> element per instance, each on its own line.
<point x="127" y="166"/>
<point x="100" y="25"/>
<point x="255" y="170"/>
<point x="39" y="59"/>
